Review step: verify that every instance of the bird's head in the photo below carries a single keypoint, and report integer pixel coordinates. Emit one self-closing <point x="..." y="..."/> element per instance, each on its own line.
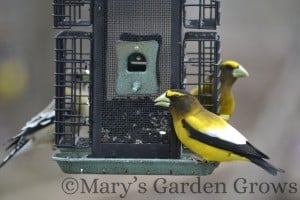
<point x="178" y="101"/>
<point x="234" y="69"/>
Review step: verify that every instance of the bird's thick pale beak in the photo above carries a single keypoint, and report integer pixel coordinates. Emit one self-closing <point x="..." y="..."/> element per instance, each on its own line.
<point x="240" y="72"/>
<point x="162" y="100"/>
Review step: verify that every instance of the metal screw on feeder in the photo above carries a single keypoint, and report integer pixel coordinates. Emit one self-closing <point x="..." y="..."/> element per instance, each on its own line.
<point x="136" y="48"/>
<point x="136" y="85"/>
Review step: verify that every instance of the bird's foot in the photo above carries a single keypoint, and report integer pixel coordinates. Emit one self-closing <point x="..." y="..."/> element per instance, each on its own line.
<point x="196" y="159"/>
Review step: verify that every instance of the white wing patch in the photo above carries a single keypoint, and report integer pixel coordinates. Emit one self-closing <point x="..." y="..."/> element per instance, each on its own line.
<point x="40" y="119"/>
<point x="228" y="133"/>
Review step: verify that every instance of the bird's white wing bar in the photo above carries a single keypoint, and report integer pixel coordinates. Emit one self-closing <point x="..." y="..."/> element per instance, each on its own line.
<point x="227" y="133"/>
<point x="40" y="119"/>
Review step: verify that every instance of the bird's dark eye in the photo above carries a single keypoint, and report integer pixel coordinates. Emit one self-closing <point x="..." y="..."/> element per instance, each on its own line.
<point x="174" y="97"/>
<point x="229" y="67"/>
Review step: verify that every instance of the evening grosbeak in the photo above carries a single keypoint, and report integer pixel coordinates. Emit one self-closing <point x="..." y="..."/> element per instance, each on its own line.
<point x="207" y="134"/>
<point x="39" y="131"/>
<point x="230" y="72"/>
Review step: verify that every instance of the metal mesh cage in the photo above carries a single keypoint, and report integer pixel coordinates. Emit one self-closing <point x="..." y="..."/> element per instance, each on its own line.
<point x="68" y="13"/>
<point x="73" y="62"/>
<point x="125" y="110"/>
<point x="201" y="14"/>
<point x="130" y="125"/>
<point x="200" y="67"/>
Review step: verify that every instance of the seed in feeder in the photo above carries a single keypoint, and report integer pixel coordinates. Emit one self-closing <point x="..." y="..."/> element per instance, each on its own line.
<point x="138" y="141"/>
<point x="162" y="132"/>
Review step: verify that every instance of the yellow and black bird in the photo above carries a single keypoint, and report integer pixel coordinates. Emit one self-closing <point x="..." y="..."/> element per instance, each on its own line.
<point x="207" y="134"/>
<point x="230" y="72"/>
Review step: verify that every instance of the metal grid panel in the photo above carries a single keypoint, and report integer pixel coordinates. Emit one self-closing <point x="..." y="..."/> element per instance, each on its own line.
<point x="72" y="82"/>
<point x="200" y="67"/>
<point x="133" y="119"/>
<point x="68" y="13"/>
<point x="201" y="14"/>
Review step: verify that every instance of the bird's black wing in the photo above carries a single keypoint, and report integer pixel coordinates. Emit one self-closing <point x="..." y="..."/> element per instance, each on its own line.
<point x="36" y="123"/>
<point x="18" y="145"/>
<point x="18" y="142"/>
<point x="246" y="150"/>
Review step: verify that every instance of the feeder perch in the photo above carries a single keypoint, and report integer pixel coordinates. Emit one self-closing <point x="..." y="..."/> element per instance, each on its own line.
<point x="134" y="51"/>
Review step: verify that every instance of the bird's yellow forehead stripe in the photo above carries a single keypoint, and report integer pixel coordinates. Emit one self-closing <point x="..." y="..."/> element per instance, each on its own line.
<point x="231" y="63"/>
<point x="170" y="93"/>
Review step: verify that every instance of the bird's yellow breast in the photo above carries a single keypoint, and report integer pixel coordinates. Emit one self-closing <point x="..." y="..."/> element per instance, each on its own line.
<point x="227" y="102"/>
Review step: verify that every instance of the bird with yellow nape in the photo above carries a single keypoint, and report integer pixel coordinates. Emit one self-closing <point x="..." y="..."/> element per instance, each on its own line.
<point x="230" y="71"/>
<point x="207" y="134"/>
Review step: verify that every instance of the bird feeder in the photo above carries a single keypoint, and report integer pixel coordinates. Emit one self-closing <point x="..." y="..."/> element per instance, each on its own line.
<point x="134" y="51"/>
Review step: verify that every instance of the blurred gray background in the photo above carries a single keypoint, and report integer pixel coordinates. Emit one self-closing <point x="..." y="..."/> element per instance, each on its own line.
<point x="262" y="35"/>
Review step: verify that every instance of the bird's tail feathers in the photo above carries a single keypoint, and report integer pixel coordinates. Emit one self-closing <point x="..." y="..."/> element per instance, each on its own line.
<point x="260" y="153"/>
<point x="266" y="166"/>
<point x="20" y="145"/>
<point x="19" y="135"/>
<point x="13" y="141"/>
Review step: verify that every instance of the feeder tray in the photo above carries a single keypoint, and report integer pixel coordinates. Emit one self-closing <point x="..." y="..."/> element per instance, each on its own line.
<point x="78" y="162"/>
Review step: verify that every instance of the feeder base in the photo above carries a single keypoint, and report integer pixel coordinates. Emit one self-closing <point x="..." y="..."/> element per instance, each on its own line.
<point x="78" y="163"/>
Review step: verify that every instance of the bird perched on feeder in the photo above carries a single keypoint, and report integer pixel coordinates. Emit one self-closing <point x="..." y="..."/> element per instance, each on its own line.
<point x="230" y="72"/>
<point x="39" y="131"/>
<point x="207" y="134"/>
